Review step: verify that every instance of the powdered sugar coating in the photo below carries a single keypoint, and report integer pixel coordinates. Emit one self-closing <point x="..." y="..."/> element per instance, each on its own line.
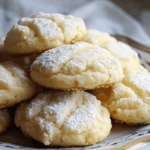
<point x="120" y="49"/>
<point x="141" y="81"/>
<point x="129" y="101"/>
<point x="128" y="58"/>
<point x="43" y="31"/>
<point x="44" y="28"/>
<point x="64" y="118"/>
<point x="15" y="84"/>
<point x="99" y="38"/>
<point x="82" y="119"/>
<point x="80" y="65"/>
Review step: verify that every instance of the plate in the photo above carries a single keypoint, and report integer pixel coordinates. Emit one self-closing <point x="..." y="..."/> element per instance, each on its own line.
<point x="122" y="136"/>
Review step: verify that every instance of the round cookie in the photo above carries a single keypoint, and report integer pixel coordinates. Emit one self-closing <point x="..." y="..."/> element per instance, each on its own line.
<point x="128" y="101"/>
<point x="15" y="84"/>
<point x="128" y="58"/>
<point x="64" y="118"/>
<point x="4" y="119"/>
<point x="44" y="31"/>
<point x="99" y="38"/>
<point x="78" y="66"/>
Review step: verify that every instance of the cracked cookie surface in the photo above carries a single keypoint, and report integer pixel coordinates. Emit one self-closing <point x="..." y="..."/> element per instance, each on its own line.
<point x="128" y="58"/>
<point x="43" y="31"/>
<point x="99" y="38"/>
<point x="77" y="66"/>
<point x="64" y="118"/>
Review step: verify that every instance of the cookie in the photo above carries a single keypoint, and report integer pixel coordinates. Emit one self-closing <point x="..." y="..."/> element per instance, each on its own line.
<point x="128" y="101"/>
<point x="40" y="32"/>
<point x="64" y="118"/>
<point x="77" y="66"/>
<point x="5" y="56"/>
<point x="128" y="58"/>
<point x="99" y="38"/>
<point x="15" y="84"/>
<point x="4" y="119"/>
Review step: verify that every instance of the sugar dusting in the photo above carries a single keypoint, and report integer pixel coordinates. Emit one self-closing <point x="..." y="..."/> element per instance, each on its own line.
<point x="55" y="111"/>
<point x="74" y="59"/>
<point x="121" y="49"/>
<point x="47" y="28"/>
<point x="82" y="119"/>
<point x="47" y="129"/>
<point x="83" y="116"/>
<point x="142" y="81"/>
<point x="52" y="107"/>
<point x="55" y="58"/>
<point x="58" y="27"/>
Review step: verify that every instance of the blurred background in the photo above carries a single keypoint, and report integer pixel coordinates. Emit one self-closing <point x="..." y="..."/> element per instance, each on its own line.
<point x="138" y="9"/>
<point x="129" y="18"/>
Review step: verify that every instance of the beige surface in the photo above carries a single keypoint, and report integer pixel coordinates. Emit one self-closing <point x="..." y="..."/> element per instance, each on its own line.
<point x="4" y="119"/>
<point x="64" y="118"/>
<point x="44" y="31"/>
<point x="78" y="66"/>
<point x="15" y="84"/>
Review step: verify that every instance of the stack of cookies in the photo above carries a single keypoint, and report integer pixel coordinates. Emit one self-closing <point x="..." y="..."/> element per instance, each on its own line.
<point x="65" y="59"/>
<point x="129" y="100"/>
